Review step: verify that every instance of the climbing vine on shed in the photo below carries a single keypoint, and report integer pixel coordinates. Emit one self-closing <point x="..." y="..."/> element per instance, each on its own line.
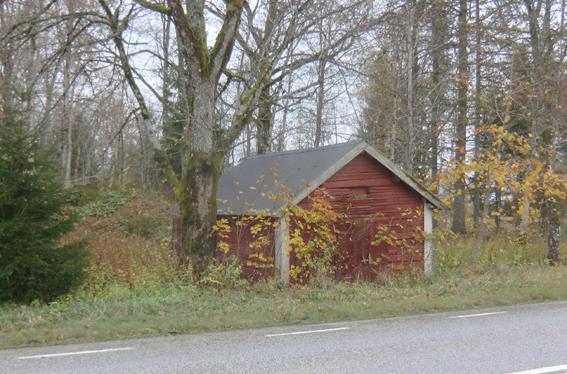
<point x="313" y="236"/>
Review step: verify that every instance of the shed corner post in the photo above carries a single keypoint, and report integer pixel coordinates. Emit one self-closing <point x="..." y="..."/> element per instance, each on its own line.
<point x="282" y="250"/>
<point x="427" y="244"/>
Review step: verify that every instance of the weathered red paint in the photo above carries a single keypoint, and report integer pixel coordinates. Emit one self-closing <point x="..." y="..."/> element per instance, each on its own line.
<point x="367" y="194"/>
<point x="247" y="246"/>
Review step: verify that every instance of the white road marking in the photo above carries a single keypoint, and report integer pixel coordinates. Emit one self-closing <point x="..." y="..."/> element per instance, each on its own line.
<point x="549" y="369"/>
<point x="478" y="315"/>
<point x="75" y="353"/>
<point x="307" y="332"/>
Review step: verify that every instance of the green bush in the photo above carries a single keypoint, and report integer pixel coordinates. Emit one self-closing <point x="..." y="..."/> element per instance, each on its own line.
<point x="106" y="205"/>
<point x="222" y="275"/>
<point x="33" y="263"/>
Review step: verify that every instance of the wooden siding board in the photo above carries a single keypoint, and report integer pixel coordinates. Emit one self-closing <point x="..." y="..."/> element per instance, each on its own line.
<point x="241" y="245"/>
<point x="387" y="197"/>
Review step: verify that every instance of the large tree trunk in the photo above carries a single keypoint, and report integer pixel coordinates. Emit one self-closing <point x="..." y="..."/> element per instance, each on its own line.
<point x="458" y="225"/>
<point x="205" y="143"/>
<point x="198" y="185"/>
<point x="198" y="211"/>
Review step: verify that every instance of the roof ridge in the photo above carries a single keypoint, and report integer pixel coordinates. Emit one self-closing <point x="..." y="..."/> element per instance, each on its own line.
<point x="295" y="151"/>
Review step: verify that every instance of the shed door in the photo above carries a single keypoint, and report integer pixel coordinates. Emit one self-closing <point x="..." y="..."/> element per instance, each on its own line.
<point x="354" y="260"/>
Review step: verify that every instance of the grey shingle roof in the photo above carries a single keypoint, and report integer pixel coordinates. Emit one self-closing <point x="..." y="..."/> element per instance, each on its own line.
<point x="265" y="182"/>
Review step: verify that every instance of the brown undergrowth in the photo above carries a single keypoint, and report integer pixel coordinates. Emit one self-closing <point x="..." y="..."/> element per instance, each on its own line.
<point x="129" y="246"/>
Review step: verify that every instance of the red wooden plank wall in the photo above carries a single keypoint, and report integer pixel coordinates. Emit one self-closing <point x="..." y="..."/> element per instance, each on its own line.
<point x="247" y="246"/>
<point x="361" y="190"/>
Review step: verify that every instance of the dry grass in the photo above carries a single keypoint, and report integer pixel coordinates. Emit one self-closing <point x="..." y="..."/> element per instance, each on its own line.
<point x="502" y="249"/>
<point x="130" y="247"/>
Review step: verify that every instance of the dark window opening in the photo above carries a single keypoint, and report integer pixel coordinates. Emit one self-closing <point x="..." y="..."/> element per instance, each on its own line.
<point x="359" y="191"/>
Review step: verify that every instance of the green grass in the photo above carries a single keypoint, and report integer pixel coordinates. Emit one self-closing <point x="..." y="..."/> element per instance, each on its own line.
<point x="122" y="313"/>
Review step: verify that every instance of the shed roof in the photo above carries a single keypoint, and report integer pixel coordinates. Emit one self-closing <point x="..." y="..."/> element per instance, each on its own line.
<point x="268" y="182"/>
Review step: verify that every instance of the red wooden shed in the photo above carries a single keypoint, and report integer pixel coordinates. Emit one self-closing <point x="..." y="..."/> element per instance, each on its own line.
<point x="362" y="184"/>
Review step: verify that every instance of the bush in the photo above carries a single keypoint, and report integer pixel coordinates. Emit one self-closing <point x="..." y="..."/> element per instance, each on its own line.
<point x="106" y="205"/>
<point x="33" y="263"/>
<point x="222" y="275"/>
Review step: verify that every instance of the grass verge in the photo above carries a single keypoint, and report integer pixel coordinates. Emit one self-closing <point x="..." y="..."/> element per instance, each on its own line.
<point x="123" y="313"/>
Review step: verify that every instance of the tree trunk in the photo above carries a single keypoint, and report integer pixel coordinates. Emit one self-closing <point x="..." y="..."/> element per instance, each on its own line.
<point x="477" y="112"/>
<point x="554" y="232"/>
<point x="205" y="141"/>
<point x="264" y="123"/>
<point x="283" y="131"/>
<point x="438" y="36"/>
<point x="322" y="69"/>
<point x="458" y="225"/>
<point x="497" y="205"/>
<point x="482" y="229"/>
<point x="198" y="186"/>
<point x="67" y="125"/>
<point x="198" y="211"/>
<point x="411" y="67"/>
<point x="525" y="218"/>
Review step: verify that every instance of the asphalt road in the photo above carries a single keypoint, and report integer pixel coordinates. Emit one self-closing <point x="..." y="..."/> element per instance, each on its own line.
<point x="525" y="338"/>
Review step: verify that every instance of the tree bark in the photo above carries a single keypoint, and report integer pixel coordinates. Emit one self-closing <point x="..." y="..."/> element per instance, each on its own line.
<point x="482" y="229"/>
<point x="554" y="231"/>
<point x="283" y="130"/>
<point x="264" y="122"/>
<point x="67" y="123"/>
<point x="321" y="72"/>
<point x="411" y="67"/>
<point x="477" y="113"/>
<point x="438" y="37"/>
<point x="458" y="224"/>
<point x="198" y="210"/>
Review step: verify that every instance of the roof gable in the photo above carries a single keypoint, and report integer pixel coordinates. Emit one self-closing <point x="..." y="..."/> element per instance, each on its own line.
<point x="267" y="182"/>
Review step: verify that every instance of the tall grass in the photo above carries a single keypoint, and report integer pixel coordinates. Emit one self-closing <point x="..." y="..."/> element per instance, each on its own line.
<point x="129" y="247"/>
<point x="502" y="249"/>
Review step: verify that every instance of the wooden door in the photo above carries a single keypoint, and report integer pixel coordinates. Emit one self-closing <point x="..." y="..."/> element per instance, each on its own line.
<point x="354" y="258"/>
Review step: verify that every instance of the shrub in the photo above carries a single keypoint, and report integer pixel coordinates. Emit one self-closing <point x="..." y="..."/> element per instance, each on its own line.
<point x="226" y="274"/>
<point x="106" y="205"/>
<point x="33" y="264"/>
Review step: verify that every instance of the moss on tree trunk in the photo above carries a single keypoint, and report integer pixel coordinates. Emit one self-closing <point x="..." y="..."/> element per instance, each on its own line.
<point x="198" y="211"/>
